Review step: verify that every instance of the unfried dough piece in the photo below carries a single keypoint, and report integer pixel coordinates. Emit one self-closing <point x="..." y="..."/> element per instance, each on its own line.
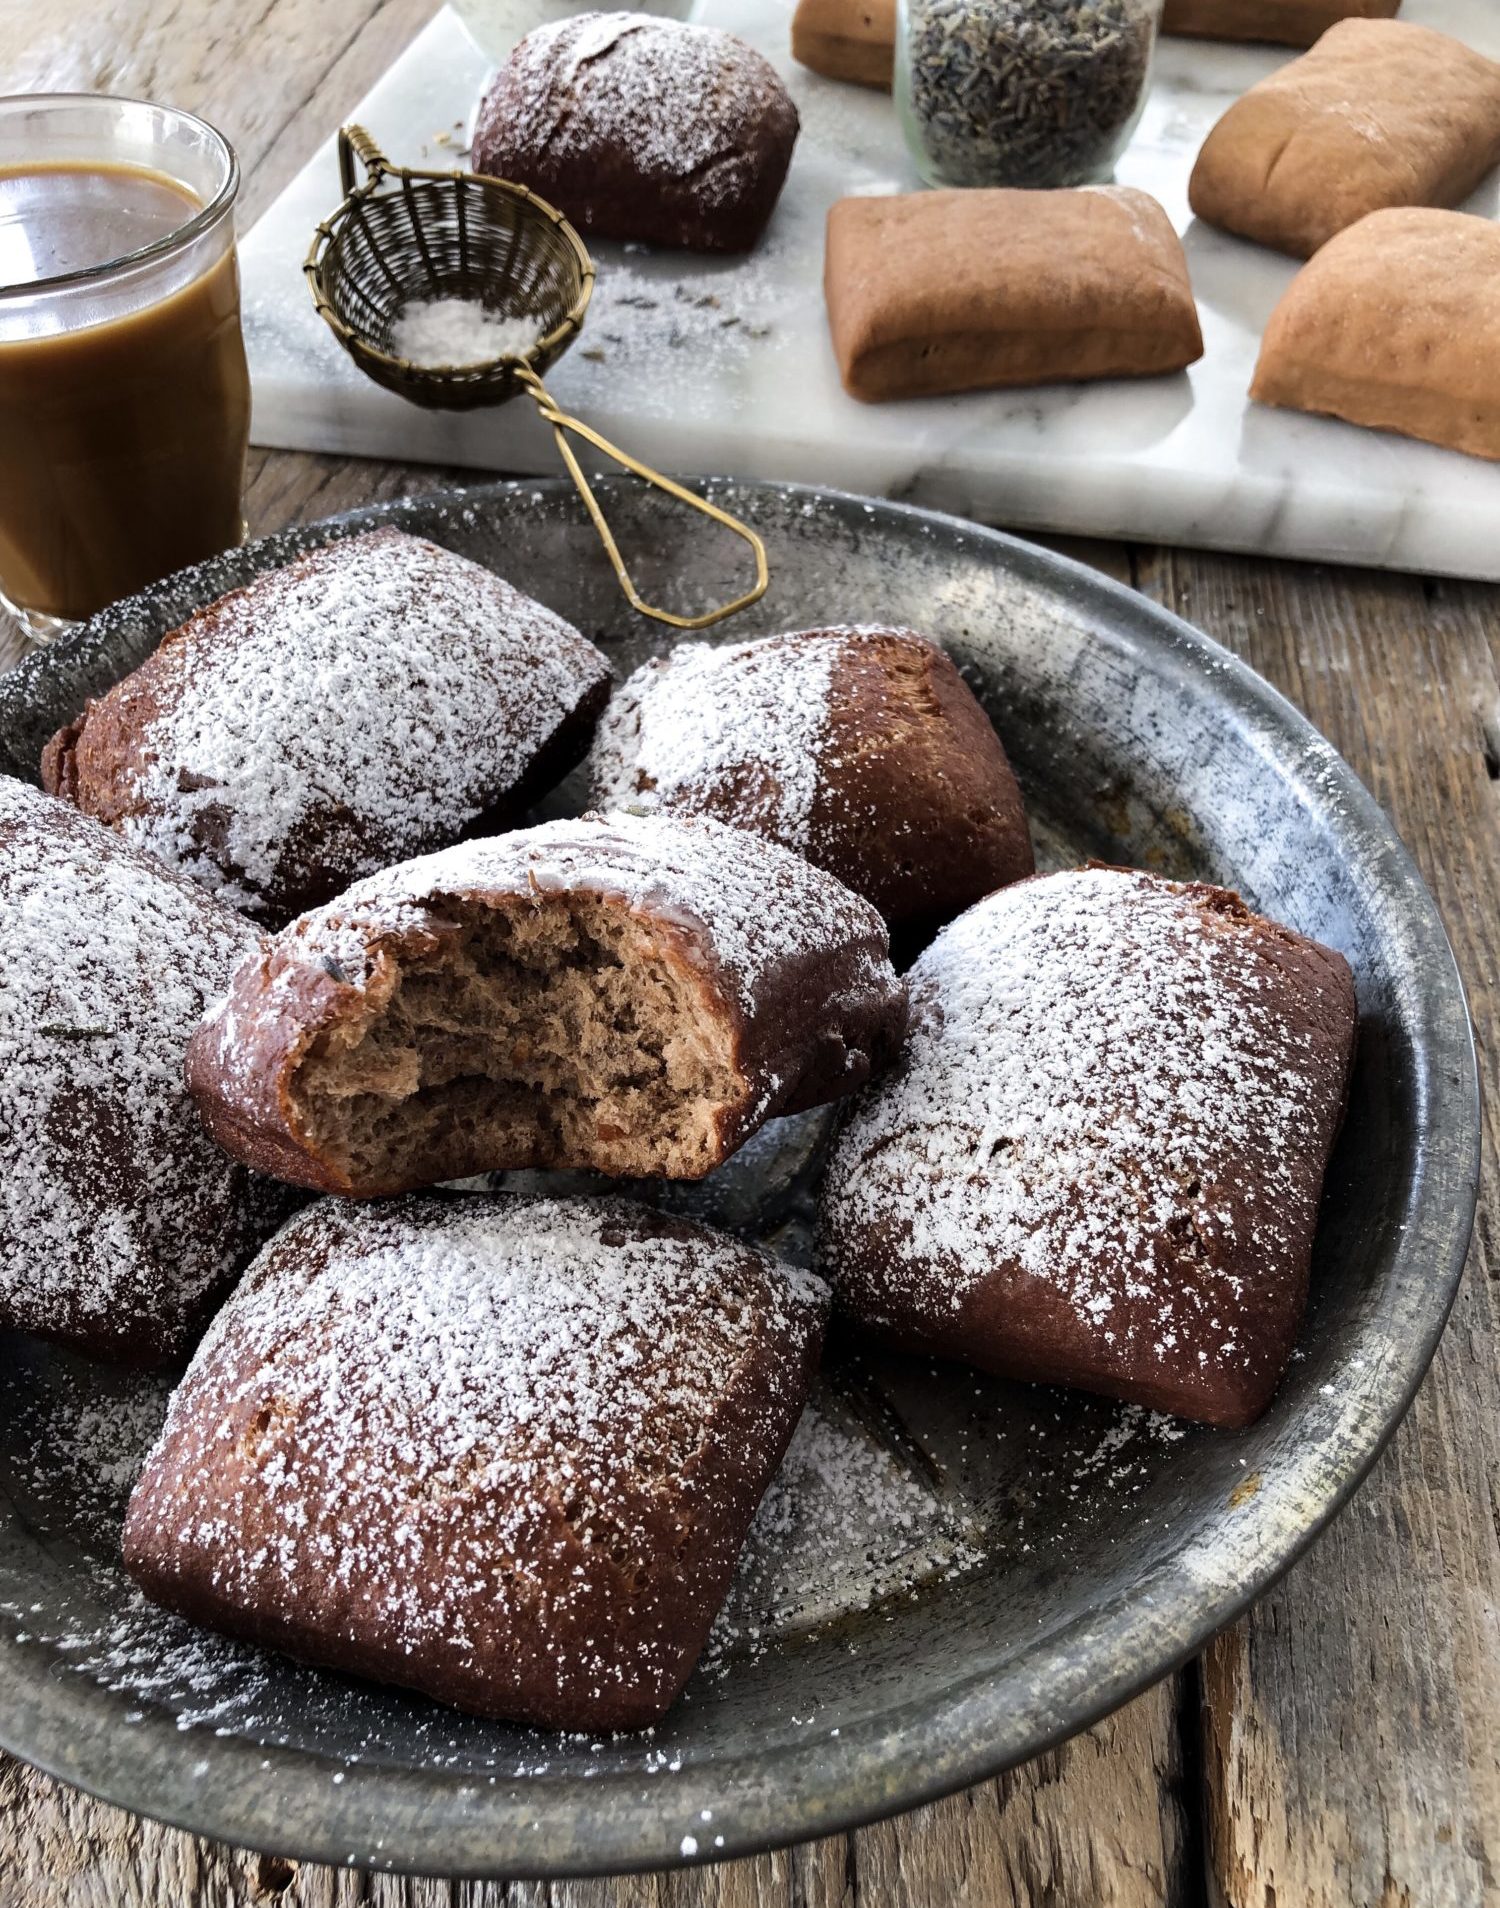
<point x="846" y="39"/>
<point x="959" y="291"/>
<point x="1379" y="113"/>
<point x="1281" y="22"/>
<point x="1395" y="324"/>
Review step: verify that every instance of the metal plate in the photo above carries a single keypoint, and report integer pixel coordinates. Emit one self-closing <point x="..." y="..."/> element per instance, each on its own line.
<point x="953" y="1572"/>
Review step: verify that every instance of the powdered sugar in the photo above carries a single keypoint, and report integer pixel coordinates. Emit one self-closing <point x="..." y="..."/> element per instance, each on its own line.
<point x="367" y="702"/>
<point x="117" y="1213"/>
<point x="677" y="105"/>
<point x="757" y="904"/>
<point x="459" y="331"/>
<point x="740" y="723"/>
<point x="843" y="1525"/>
<point x="402" y="1401"/>
<point x="1107" y="1092"/>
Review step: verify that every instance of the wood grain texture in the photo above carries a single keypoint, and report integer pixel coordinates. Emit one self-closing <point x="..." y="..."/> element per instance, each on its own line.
<point x="1352" y="1723"/>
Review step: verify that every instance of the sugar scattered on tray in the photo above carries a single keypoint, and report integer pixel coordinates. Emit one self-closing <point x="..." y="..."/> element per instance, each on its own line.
<point x="459" y="331"/>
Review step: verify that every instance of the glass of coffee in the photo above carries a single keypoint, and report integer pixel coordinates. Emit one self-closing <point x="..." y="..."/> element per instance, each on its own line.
<point x="124" y="397"/>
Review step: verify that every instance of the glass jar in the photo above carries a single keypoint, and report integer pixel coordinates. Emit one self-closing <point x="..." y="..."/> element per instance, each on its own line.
<point x="1022" y="92"/>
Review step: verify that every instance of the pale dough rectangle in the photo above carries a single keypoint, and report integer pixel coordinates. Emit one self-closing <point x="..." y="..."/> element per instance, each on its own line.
<point x="1379" y="113"/>
<point x="957" y="291"/>
<point x="1395" y="324"/>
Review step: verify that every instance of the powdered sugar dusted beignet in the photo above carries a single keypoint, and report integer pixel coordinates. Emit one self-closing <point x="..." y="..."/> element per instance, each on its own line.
<point x="861" y="748"/>
<point x="1100" y="1159"/>
<point x="120" y="1221"/>
<point x="372" y="700"/>
<point x="634" y="994"/>
<point x="663" y="131"/>
<point x="501" y="1451"/>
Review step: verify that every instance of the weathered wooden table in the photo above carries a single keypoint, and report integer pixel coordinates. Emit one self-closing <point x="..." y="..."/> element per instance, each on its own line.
<point x="1342" y="1744"/>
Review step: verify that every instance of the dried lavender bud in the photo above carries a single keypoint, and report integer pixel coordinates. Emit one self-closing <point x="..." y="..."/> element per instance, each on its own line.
<point x="1022" y="92"/>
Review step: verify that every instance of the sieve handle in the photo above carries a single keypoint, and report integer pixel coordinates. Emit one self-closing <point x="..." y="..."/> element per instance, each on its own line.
<point x="562" y="424"/>
<point x="356" y="143"/>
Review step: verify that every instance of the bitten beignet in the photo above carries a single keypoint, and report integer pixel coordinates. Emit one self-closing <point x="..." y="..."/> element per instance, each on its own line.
<point x="121" y="1224"/>
<point x="501" y="1451"/>
<point x="861" y="748"/>
<point x="372" y="700"/>
<point x="958" y="291"/>
<point x="1099" y="1160"/>
<point x="1379" y="113"/>
<point x="633" y="994"/>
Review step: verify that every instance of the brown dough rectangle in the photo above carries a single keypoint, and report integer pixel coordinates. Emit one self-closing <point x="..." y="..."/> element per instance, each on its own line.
<point x="1379" y="113"/>
<point x="961" y="291"/>
<point x="846" y="39"/>
<point x="1395" y="324"/>
<point x="1280" y="22"/>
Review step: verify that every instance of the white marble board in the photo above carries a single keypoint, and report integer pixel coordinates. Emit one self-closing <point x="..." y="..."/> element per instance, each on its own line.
<point x="705" y="366"/>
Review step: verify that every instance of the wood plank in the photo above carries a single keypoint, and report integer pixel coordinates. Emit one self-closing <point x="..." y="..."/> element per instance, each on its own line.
<point x="1352" y="1723"/>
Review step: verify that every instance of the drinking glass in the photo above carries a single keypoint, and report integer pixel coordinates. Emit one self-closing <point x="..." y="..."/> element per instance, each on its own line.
<point x="124" y="394"/>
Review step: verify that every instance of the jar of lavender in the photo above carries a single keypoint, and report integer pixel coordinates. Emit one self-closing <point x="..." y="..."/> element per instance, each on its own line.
<point x="1022" y="92"/>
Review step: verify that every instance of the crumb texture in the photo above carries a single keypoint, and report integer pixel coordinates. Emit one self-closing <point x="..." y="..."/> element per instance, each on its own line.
<point x="119" y="1219"/>
<point x="367" y="702"/>
<point x="1099" y="1160"/>
<point x="504" y="1451"/>
<point x="630" y="993"/>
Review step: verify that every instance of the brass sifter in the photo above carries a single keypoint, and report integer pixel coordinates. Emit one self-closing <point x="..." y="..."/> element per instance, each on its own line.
<point x="405" y="234"/>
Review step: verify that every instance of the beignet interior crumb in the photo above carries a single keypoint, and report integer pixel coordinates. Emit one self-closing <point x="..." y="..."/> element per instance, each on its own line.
<point x="558" y="1031"/>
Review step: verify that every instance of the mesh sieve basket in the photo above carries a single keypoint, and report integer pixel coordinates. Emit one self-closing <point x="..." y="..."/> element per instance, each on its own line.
<point x="405" y="234"/>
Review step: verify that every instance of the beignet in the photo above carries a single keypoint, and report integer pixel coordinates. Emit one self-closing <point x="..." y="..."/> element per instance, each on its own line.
<point x="372" y="700"/>
<point x="642" y="128"/>
<point x="861" y="748"/>
<point x="121" y="1224"/>
<point x="1099" y="1160"/>
<point x="632" y="994"/>
<point x="501" y="1451"/>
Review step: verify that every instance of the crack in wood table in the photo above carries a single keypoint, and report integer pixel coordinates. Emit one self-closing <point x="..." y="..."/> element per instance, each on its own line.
<point x="1341" y="1745"/>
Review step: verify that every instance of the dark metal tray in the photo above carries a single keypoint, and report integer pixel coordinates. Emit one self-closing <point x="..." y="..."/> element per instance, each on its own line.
<point x="954" y="1572"/>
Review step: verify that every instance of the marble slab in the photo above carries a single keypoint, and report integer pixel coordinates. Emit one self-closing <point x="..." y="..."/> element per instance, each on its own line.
<point x="706" y="366"/>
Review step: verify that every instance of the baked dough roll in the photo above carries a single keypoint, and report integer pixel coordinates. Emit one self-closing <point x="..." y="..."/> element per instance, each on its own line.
<point x="847" y="39"/>
<point x="1379" y="113"/>
<point x="1395" y="324"/>
<point x="1281" y="22"/>
<point x="1099" y="1160"/>
<point x="959" y="291"/>
<point x="501" y="1451"/>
